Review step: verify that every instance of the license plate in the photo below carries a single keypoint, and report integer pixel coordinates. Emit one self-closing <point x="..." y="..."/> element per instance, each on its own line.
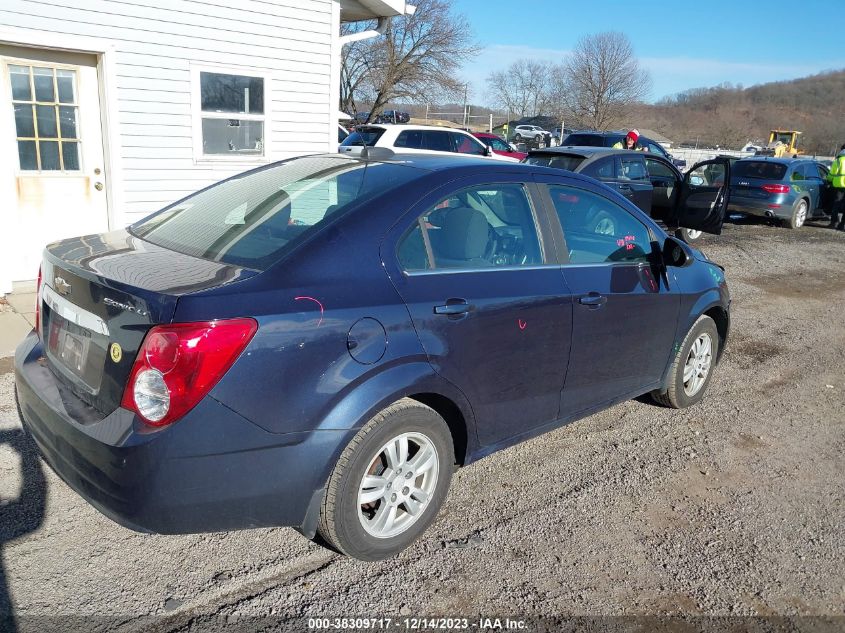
<point x="71" y="348"/>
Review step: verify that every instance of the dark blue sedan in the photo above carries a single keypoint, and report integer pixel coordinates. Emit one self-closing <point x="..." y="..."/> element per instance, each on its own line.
<point x="319" y="342"/>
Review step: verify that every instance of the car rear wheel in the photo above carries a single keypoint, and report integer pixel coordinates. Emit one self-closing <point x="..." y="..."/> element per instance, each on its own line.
<point x="517" y="137"/>
<point x="692" y="366"/>
<point x="388" y="483"/>
<point x="688" y="235"/>
<point x="799" y="215"/>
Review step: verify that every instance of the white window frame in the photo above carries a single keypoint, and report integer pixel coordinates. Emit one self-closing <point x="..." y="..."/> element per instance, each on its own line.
<point x="197" y="115"/>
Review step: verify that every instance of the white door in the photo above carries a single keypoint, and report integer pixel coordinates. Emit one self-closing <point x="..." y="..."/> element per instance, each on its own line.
<point x="52" y="176"/>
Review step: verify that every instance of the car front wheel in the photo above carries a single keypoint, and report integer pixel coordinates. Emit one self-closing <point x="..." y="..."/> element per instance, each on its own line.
<point x="687" y="235"/>
<point x="692" y="366"/>
<point x="389" y="482"/>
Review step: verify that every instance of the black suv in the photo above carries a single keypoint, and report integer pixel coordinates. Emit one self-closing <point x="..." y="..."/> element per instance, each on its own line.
<point x="609" y="139"/>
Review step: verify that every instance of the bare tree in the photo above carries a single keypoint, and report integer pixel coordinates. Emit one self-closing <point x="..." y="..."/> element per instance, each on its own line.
<point x="604" y="79"/>
<point x="418" y="56"/>
<point x="522" y="88"/>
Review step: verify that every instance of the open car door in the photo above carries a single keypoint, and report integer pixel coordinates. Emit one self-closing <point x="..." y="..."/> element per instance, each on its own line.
<point x="703" y="199"/>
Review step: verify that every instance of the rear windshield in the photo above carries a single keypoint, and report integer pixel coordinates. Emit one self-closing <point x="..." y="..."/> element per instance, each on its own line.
<point x="763" y="170"/>
<point x="589" y="140"/>
<point x="560" y="161"/>
<point x="363" y="136"/>
<point x="251" y="220"/>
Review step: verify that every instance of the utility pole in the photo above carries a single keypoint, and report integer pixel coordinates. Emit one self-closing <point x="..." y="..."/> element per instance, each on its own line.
<point x="466" y="88"/>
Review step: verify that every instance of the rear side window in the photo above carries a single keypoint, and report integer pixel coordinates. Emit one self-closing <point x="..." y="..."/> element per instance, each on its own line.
<point x="598" y="231"/>
<point x="363" y="136"/>
<point x="253" y="219"/>
<point x="559" y="161"/>
<point x="411" y="139"/>
<point x="763" y="170"/>
<point x="602" y="168"/>
<point x="483" y="226"/>
<point x="654" y="148"/>
<point x="437" y="141"/>
<point x="632" y="168"/>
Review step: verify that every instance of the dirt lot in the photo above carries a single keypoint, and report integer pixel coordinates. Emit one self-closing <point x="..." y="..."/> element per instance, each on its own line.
<point x="733" y="507"/>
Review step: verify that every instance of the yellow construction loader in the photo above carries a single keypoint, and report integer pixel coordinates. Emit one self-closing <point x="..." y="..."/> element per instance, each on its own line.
<point x="782" y="143"/>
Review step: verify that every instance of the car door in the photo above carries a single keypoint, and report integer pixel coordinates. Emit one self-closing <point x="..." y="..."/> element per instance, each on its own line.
<point x="814" y="183"/>
<point x="704" y="197"/>
<point x="625" y="311"/>
<point x="665" y="182"/>
<point x="632" y="180"/>
<point x="473" y="263"/>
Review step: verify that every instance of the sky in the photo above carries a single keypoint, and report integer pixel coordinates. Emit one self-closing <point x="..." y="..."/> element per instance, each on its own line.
<point x="683" y="44"/>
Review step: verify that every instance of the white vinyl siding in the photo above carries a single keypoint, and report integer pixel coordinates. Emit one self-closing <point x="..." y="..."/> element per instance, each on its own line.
<point x="290" y="43"/>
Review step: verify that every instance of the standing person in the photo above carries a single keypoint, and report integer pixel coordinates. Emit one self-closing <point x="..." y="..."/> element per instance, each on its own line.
<point x="836" y="178"/>
<point x="630" y="141"/>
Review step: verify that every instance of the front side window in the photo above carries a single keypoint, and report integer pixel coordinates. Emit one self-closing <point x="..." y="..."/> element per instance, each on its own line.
<point x="232" y="114"/>
<point x="253" y="219"/>
<point x="466" y="145"/>
<point x="659" y="169"/>
<point x="479" y="227"/>
<point x="46" y="118"/>
<point x="598" y="231"/>
<point x="498" y="144"/>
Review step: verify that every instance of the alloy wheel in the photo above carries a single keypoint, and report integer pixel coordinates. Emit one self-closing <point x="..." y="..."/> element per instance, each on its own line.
<point x="697" y="366"/>
<point x="398" y="485"/>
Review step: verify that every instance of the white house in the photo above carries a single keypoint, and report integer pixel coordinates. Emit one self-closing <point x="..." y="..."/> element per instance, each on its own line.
<point x="111" y="109"/>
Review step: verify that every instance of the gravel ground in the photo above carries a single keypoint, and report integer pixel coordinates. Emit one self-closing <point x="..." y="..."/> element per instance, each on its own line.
<point x="733" y="507"/>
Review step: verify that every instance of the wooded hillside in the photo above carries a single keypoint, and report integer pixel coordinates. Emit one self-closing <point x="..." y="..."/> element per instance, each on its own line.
<point x="728" y="115"/>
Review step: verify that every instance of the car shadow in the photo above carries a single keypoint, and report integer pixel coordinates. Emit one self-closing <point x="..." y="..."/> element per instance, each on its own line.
<point x="23" y="515"/>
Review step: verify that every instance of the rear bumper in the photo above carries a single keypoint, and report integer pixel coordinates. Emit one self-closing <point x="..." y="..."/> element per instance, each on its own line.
<point x="761" y="208"/>
<point x="212" y="470"/>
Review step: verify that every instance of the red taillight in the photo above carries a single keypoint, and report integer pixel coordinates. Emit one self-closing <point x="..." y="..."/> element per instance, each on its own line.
<point x="38" y="304"/>
<point x="776" y="188"/>
<point x="178" y="364"/>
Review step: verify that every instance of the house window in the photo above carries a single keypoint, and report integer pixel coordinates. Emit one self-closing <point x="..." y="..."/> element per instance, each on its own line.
<point x="46" y="127"/>
<point x="232" y="114"/>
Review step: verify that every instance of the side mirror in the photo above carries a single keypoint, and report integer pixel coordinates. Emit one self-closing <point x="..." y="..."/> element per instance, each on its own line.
<point x="674" y="254"/>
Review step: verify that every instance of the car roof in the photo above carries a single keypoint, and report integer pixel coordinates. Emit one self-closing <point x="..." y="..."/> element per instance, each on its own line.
<point x="585" y="151"/>
<point x="410" y="126"/>
<point x="437" y="162"/>
<point x="770" y="159"/>
<point x="485" y="135"/>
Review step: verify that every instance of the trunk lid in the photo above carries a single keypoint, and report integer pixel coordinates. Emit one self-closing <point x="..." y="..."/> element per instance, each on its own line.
<point x="100" y="295"/>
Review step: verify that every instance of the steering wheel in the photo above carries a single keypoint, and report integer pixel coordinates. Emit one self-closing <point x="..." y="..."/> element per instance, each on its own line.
<point x="492" y="244"/>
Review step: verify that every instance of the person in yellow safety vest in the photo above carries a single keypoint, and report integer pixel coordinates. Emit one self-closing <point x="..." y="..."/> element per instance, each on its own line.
<point x="630" y="141"/>
<point x="836" y="178"/>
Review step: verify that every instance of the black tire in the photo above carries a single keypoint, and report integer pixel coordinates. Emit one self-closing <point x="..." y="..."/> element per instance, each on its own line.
<point x="340" y="525"/>
<point x="800" y="214"/>
<point x="517" y="137"/>
<point x="676" y="396"/>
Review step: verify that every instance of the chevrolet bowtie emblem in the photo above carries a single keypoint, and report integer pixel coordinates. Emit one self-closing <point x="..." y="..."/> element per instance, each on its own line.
<point x="62" y="286"/>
